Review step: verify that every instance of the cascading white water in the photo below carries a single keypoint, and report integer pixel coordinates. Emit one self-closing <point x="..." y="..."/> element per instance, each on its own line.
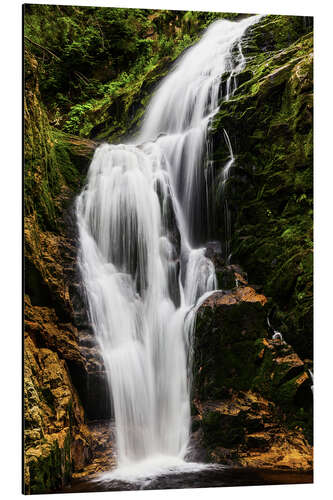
<point x="139" y="220"/>
<point x="225" y="173"/>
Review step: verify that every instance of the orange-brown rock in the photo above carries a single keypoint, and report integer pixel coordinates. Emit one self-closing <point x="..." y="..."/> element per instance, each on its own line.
<point x="42" y="324"/>
<point x="253" y="394"/>
<point x="103" y="453"/>
<point x="45" y="254"/>
<point x="246" y="429"/>
<point x="54" y="421"/>
<point x="238" y="294"/>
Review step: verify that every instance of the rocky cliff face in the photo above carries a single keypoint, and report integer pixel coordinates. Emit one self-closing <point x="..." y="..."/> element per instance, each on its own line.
<point x="269" y="192"/>
<point x="57" y="441"/>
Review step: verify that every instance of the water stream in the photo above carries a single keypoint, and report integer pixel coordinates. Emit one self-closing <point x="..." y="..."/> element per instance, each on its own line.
<point x="225" y="174"/>
<point x="143" y="221"/>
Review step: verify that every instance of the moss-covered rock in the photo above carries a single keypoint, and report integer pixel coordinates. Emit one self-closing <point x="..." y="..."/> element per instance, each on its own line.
<point x="226" y="430"/>
<point x="227" y="327"/>
<point x="269" y="192"/>
<point x="232" y="353"/>
<point x="53" y="166"/>
<point x="56" y="438"/>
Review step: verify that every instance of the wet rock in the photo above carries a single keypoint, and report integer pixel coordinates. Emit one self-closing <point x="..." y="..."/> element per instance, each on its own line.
<point x="252" y="393"/>
<point x="270" y="121"/>
<point x="227" y="326"/>
<point x="214" y="251"/>
<point x="54" y="421"/>
<point x="258" y="441"/>
<point x="87" y="339"/>
<point x="247" y="430"/>
<point x="103" y="452"/>
<point x="254" y="423"/>
<point x="62" y="323"/>
<point x="225" y="429"/>
<point x="231" y="276"/>
<point x="98" y="396"/>
<point x="282" y="375"/>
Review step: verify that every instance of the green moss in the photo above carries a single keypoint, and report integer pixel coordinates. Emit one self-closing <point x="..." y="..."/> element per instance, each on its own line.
<point x="226" y="349"/>
<point x="286" y="392"/>
<point x="45" y="473"/>
<point x="52" y="468"/>
<point x="269" y="121"/>
<point x="53" y="168"/>
<point x="302" y="418"/>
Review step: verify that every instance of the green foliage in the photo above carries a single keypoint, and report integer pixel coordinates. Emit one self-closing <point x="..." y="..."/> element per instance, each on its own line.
<point x="50" y="167"/>
<point x="97" y="64"/>
<point x="76" y="116"/>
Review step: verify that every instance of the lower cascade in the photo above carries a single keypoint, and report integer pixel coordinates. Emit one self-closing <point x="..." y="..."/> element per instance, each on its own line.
<point x="142" y="221"/>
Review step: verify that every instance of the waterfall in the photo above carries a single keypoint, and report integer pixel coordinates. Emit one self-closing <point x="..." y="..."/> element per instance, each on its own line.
<point x="141" y="219"/>
<point x="225" y="173"/>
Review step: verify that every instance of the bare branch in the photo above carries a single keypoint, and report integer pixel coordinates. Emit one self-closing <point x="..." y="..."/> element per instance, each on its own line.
<point x="43" y="48"/>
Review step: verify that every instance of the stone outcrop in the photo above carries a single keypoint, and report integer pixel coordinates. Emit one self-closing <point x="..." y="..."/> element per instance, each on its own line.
<point x="64" y="373"/>
<point x="57" y="440"/>
<point x="246" y="430"/>
<point x="252" y="394"/>
<point x="103" y="453"/>
<point x="65" y="380"/>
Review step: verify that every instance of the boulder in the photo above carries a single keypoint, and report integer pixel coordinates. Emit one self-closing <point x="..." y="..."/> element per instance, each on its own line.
<point x="252" y="394"/>
<point x="225" y="351"/>
<point x="247" y="430"/>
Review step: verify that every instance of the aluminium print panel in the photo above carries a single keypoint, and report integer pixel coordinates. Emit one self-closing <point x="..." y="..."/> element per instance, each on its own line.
<point x="168" y="219"/>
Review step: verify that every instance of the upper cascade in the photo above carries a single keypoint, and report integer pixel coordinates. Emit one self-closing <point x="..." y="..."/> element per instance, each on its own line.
<point x="189" y="95"/>
<point x="181" y="110"/>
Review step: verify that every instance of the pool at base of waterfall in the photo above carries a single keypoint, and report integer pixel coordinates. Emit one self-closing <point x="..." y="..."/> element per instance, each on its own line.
<point x="188" y="475"/>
